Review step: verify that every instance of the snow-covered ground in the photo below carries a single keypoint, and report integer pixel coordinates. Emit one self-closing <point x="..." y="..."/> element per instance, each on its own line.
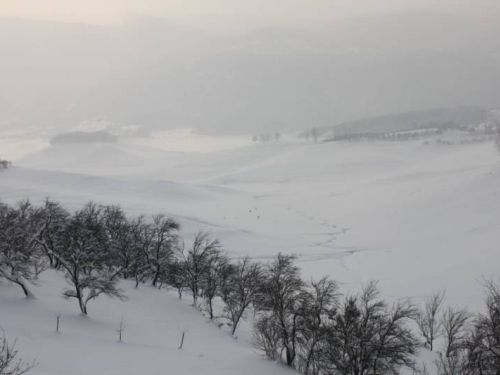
<point x="417" y="218"/>
<point x="153" y="321"/>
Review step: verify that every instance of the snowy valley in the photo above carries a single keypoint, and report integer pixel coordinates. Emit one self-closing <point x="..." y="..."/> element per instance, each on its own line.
<point x="416" y="218"/>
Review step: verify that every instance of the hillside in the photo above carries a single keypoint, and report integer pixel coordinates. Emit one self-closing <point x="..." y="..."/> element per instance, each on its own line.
<point x="154" y="321"/>
<point x="460" y="116"/>
<point x="335" y="205"/>
<point x="354" y="211"/>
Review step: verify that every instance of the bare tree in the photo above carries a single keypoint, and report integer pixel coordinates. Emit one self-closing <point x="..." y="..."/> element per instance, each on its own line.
<point x="218" y="272"/>
<point x="148" y="249"/>
<point x="20" y="258"/>
<point x="267" y="337"/>
<point x="486" y="351"/>
<point x="319" y="307"/>
<point x="368" y="337"/>
<point x="324" y="298"/>
<point x="165" y="240"/>
<point x="241" y="290"/>
<point x="198" y="260"/>
<point x="455" y="324"/>
<point x="118" y="238"/>
<point x="86" y="260"/>
<point x="9" y="363"/>
<point x="137" y="254"/>
<point x="175" y="276"/>
<point x="454" y="359"/>
<point x="282" y="296"/>
<point x="428" y="319"/>
<point x="50" y="239"/>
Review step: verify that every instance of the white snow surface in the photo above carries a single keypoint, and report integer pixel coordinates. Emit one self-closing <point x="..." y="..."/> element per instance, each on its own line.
<point x="153" y="322"/>
<point x="417" y="218"/>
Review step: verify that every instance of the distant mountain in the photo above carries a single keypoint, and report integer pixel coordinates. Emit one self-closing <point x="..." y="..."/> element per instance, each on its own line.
<point x="84" y="137"/>
<point x="155" y="74"/>
<point x="459" y="116"/>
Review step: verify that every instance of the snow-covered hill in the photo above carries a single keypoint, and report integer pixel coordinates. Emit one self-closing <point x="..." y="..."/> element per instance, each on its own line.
<point x="154" y="321"/>
<point x="418" y="218"/>
<point x="354" y="211"/>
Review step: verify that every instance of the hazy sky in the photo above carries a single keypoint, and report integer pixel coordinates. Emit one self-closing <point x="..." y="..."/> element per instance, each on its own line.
<point x="111" y="11"/>
<point x="365" y="58"/>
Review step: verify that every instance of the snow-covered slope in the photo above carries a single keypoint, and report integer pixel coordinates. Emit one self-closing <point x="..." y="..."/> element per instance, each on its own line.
<point x="153" y="321"/>
<point x="356" y="211"/>
<point x="418" y="218"/>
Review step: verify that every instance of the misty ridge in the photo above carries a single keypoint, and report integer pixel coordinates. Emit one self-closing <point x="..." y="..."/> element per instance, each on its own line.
<point x="84" y="137"/>
<point x="158" y="74"/>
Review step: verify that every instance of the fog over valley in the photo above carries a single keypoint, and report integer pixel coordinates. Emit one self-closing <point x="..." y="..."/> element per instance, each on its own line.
<point x="155" y="74"/>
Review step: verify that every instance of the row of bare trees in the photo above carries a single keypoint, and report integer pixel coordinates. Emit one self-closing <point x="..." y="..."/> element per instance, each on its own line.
<point x="470" y="343"/>
<point x="267" y="137"/>
<point x="308" y="325"/>
<point x="315" y="330"/>
<point x="32" y="238"/>
<point x="98" y="245"/>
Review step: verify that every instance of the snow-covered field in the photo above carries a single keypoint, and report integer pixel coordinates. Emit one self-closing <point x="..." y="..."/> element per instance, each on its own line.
<point x="417" y="218"/>
<point x="153" y="323"/>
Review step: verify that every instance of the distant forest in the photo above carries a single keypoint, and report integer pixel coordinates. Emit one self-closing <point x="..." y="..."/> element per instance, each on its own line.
<point x="474" y="124"/>
<point x="460" y="116"/>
